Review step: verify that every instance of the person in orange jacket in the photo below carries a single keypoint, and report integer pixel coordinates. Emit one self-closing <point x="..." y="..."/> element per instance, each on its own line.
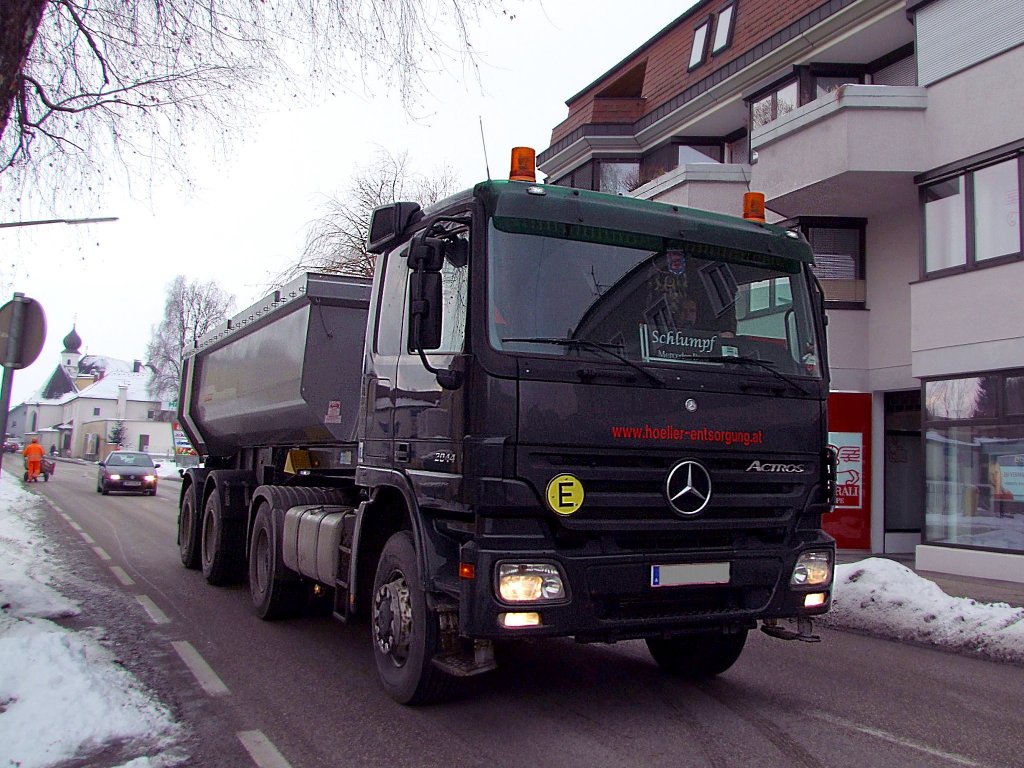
<point x="33" y="454"/>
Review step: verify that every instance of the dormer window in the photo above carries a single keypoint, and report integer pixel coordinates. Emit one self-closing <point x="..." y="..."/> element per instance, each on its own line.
<point x="724" y="25"/>
<point x="700" y="44"/>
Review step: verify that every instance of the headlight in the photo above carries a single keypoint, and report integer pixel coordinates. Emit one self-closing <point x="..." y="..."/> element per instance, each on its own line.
<point x="813" y="568"/>
<point x="150" y="478"/>
<point x="529" y="583"/>
<point x="113" y="477"/>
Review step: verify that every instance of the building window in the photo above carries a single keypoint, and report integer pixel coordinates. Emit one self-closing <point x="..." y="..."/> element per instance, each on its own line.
<point x="700" y="44"/>
<point x="996" y="211"/>
<point x="974" y="461"/>
<point x="618" y="177"/>
<point x="973" y="219"/>
<point x="724" y="24"/>
<point x="773" y="105"/>
<point x="945" y="225"/>
<point x="95" y="411"/>
<point x="839" y="257"/>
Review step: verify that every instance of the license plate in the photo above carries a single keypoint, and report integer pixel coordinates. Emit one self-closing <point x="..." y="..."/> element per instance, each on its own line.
<point x="128" y="483"/>
<point x="689" y="574"/>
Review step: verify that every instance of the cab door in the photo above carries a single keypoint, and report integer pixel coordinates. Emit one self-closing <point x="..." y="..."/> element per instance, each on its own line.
<point x="429" y="421"/>
<point x="385" y="348"/>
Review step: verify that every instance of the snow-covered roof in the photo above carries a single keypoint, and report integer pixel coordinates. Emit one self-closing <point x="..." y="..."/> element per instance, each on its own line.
<point x="102" y="363"/>
<point x="109" y="387"/>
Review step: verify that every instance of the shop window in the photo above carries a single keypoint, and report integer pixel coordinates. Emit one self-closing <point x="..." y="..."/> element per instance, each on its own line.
<point x="725" y="22"/>
<point x="698" y="53"/>
<point x="974" y="461"/>
<point x="958" y="399"/>
<point x="1015" y="395"/>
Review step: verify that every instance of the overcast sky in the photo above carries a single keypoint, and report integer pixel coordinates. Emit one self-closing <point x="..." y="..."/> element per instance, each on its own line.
<point x="247" y="218"/>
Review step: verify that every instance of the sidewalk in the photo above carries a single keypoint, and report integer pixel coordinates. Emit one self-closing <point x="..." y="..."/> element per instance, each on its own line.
<point x="982" y="590"/>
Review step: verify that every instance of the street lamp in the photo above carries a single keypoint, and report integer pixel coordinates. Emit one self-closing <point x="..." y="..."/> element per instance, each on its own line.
<point x="4" y="224"/>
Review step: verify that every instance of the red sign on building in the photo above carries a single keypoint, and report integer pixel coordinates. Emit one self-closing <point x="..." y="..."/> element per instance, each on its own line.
<point x="849" y="425"/>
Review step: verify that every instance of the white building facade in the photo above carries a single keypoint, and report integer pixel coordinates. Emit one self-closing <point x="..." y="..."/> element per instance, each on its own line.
<point x="889" y="133"/>
<point x="76" y="411"/>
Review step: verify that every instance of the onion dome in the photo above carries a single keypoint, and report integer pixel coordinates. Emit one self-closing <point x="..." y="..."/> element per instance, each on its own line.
<point x="72" y="342"/>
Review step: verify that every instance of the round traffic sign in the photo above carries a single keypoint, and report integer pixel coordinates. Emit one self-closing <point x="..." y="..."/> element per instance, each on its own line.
<point x="23" y="324"/>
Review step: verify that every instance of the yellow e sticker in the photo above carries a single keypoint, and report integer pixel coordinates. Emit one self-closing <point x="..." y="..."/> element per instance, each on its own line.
<point x="565" y="494"/>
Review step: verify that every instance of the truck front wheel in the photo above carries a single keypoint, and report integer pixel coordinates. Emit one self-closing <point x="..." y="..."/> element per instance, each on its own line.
<point x="405" y="632"/>
<point x="188" y="529"/>
<point x="698" y="656"/>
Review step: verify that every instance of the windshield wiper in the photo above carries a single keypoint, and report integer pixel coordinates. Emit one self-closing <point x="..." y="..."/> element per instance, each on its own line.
<point x="609" y="349"/>
<point x="768" y="366"/>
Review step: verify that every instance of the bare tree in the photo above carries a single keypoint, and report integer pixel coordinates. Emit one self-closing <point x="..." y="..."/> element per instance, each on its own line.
<point x="82" y="81"/>
<point x="192" y="309"/>
<point x="337" y="241"/>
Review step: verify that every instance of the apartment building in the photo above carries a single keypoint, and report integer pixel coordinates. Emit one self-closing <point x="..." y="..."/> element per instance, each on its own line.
<point x="889" y="134"/>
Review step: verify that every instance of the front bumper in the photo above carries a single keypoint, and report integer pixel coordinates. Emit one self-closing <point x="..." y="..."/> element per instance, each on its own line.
<point x="612" y="597"/>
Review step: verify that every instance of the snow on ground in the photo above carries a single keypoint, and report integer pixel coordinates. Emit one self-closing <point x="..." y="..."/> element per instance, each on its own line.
<point x="62" y="694"/>
<point x="884" y="598"/>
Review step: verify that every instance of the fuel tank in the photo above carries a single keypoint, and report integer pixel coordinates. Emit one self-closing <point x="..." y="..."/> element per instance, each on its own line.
<point x="284" y="372"/>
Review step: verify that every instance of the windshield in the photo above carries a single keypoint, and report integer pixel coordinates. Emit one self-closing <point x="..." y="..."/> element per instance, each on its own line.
<point x="654" y="302"/>
<point x="129" y="460"/>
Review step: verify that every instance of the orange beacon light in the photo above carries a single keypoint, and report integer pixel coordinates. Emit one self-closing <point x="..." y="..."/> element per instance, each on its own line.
<point x="753" y="206"/>
<point x="524" y="165"/>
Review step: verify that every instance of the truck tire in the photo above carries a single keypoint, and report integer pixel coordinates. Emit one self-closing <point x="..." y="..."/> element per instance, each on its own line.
<point x="405" y="634"/>
<point x="274" y="595"/>
<point x="188" y="529"/>
<point x="219" y="550"/>
<point x="698" y="656"/>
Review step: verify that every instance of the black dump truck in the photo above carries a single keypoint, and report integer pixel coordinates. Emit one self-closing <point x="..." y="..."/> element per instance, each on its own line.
<point x="552" y="413"/>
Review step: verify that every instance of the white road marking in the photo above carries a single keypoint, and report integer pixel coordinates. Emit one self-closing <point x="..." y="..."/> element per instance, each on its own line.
<point x="158" y="616"/>
<point x="87" y="538"/>
<point x="74" y="525"/>
<point x="261" y="750"/>
<point x="123" y="577"/>
<point x="893" y="739"/>
<point x="101" y="553"/>
<point x="202" y="671"/>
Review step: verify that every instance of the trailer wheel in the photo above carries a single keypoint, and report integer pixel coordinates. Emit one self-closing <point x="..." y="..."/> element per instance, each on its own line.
<point x="218" y="551"/>
<point x="405" y="633"/>
<point x="188" y="529"/>
<point x="273" y="595"/>
<point x="698" y="656"/>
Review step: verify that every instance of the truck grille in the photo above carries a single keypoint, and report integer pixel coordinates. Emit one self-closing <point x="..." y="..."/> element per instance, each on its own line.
<point x="624" y="493"/>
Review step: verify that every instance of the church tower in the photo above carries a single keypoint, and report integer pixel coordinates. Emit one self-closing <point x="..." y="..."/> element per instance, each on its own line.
<point x="70" y="356"/>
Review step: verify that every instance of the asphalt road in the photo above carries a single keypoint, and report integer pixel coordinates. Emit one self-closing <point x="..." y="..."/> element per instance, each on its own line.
<point x="303" y="692"/>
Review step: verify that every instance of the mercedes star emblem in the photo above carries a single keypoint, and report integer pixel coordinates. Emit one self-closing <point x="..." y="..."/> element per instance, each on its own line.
<point x="688" y="487"/>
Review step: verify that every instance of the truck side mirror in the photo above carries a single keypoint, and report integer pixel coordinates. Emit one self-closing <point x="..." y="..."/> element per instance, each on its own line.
<point x="425" y="310"/>
<point x="426" y="257"/>
<point x="388" y="223"/>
